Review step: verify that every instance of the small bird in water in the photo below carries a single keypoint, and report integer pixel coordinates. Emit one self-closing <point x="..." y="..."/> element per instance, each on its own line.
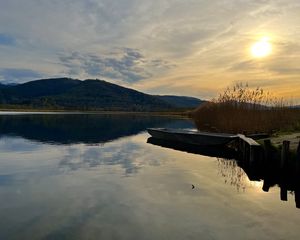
<point x="193" y="186"/>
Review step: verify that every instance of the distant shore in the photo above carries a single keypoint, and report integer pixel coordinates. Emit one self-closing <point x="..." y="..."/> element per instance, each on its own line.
<point x="184" y="114"/>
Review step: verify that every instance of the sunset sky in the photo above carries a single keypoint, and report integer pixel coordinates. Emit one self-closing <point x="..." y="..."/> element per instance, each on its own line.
<point x="182" y="47"/>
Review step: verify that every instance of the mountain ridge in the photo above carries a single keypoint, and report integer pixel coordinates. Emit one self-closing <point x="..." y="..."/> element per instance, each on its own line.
<point x="89" y="94"/>
<point x="181" y="101"/>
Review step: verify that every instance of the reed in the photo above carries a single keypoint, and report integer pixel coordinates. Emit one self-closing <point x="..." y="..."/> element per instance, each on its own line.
<point x="241" y="109"/>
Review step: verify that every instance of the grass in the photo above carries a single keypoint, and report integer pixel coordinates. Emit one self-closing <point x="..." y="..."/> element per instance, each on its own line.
<point x="240" y="109"/>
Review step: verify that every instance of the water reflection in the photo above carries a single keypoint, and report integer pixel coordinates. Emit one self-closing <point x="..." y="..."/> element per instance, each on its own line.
<point x="220" y="152"/>
<point x="273" y="173"/>
<point x="81" y="128"/>
<point x="239" y="172"/>
<point x="78" y="157"/>
<point x="234" y="175"/>
<point x="126" y="189"/>
<point x="18" y="132"/>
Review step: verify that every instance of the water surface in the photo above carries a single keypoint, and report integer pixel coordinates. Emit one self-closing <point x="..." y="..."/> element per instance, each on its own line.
<point x="96" y="177"/>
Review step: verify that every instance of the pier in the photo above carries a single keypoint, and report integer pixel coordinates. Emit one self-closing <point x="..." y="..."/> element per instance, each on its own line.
<point x="275" y="166"/>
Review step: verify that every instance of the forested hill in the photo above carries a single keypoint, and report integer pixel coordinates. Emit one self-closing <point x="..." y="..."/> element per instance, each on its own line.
<point x="71" y="94"/>
<point x="182" y="101"/>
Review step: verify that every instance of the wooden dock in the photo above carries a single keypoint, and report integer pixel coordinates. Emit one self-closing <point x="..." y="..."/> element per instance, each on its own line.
<point x="249" y="149"/>
<point x="271" y="164"/>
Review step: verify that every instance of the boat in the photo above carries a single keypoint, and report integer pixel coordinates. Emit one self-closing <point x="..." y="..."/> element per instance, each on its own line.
<point x="192" y="136"/>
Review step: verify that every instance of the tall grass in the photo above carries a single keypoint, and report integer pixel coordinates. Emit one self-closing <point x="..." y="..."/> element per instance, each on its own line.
<point x="241" y="109"/>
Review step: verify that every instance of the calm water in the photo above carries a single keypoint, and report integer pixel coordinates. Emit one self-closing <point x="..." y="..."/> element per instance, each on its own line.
<point x="96" y="177"/>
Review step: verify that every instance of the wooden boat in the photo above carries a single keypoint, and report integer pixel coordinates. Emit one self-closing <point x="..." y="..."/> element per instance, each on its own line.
<point x="192" y="137"/>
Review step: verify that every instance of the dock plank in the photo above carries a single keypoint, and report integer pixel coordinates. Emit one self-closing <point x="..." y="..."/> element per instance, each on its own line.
<point x="247" y="140"/>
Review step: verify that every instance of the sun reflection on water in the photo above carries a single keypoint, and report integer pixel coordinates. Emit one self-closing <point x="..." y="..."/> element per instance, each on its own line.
<point x="235" y="176"/>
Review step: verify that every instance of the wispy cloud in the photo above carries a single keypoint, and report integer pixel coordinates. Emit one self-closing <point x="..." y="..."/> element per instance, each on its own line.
<point x="127" y="64"/>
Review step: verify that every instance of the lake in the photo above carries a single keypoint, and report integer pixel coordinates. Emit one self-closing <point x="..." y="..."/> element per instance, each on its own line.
<point x="93" y="176"/>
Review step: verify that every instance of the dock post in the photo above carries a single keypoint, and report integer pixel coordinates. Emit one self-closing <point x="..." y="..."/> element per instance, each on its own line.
<point x="246" y="152"/>
<point x="255" y="154"/>
<point x="283" y="193"/>
<point x="284" y="154"/>
<point x="297" y="198"/>
<point x="297" y="190"/>
<point x="283" y="166"/>
<point x="252" y="154"/>
<point x="266" y="186"/>
<point x="243" y="150"/>
<point x="267" y="164"/>
<point x="267" y="150"/>
<point x="298" y="161"/>
<point x="240" y="148"/>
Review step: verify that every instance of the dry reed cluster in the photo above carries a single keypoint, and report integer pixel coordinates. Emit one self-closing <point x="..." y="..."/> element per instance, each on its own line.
<point x="240" y="109"/>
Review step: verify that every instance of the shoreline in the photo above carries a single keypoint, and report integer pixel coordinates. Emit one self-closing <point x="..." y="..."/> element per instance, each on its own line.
<point x="293" y="138"/>
<point x="276" y="140"/>
<point x="49" y="111"/>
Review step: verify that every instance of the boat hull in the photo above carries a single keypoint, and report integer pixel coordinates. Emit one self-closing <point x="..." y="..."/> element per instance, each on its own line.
<point x="190" y="137"/>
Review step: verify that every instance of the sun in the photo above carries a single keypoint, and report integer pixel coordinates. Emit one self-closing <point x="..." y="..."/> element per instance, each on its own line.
<point x="262" y="48"/>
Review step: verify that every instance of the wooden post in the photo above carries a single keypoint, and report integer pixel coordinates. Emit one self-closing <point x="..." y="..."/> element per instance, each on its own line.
<point x="243" y="149"/>
<point x="283" y="164"/>
<point x="266" y="186"/>
<point x="240" y="142"/>
<point x="283" y="193"/>
<point x="246" y="151"/>
<point x="255" y="154"/>
<point x="267" y="161"/>
<point x="297" y="198"/>
<point x="297" y="191"/>
<point x="251" y="154"/>
<point x="284" y="154"/>
<point x="298" y="161"/>
<point x="267" y="150"/>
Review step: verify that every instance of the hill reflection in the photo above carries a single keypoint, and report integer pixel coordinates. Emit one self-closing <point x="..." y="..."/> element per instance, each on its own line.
<point x="80" y="128"/>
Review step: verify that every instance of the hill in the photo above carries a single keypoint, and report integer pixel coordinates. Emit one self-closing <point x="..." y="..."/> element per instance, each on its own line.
<point x="182" y="101"/>
<point x="2" y="85"/>
<point x="71" y="94"/>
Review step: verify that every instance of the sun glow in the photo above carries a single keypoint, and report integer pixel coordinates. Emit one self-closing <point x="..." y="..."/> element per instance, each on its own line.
<point x="262" y="48"/>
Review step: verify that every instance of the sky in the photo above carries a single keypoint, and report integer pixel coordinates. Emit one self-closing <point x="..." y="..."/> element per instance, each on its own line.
<point x="183" y="47"/>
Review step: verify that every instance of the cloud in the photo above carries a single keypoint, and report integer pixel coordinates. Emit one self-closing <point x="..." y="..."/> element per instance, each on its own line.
<point x="286" y="70"/>
<point x="244" y="65"/>
<point x="18" y="75"/>
<point x="127" y="64"/>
